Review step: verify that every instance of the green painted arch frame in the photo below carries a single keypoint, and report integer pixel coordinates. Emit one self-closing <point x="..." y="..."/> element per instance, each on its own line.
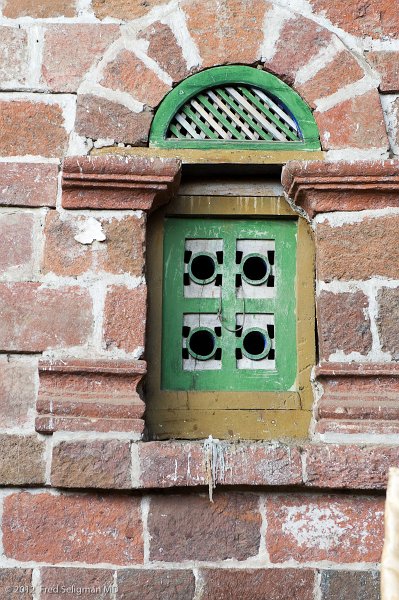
<point x="234" y="74"/>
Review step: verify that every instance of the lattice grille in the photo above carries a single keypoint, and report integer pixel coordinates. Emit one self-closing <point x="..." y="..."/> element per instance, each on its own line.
<point x="239" y="112"/>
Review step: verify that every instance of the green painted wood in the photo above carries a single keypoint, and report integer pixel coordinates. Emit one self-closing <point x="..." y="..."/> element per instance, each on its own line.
<point x="282" y="305"/>
<point x="234" y="75"/>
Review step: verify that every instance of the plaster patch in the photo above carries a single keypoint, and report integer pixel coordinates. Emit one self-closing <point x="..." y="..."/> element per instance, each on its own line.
<point x="273" y="24"/>
<point x="178" y="24"/>
<point x="315" y="527"/>
<point x="90" y="230"/>
<point x="348" y="92"/>
<point x="318" y="62"/>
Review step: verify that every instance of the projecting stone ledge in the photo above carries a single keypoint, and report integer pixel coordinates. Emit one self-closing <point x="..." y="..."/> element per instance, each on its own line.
<point x="319" y="186"/>
<point x="90" y="395"/>
<point x="114" y="182"/>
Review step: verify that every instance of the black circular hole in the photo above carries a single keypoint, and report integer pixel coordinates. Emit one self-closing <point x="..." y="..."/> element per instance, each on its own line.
<point x="254" y="343"/>
<point x="203" y="266"/>
<point x="255" y="268"/>
<point x="202" y="343"/>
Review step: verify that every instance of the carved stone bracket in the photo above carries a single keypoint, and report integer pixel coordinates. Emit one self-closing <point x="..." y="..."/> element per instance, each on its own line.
<point x="319" y="186"/>
<point x="119" y="182"/>
<point x="85" y="395"/>
<point x="358" y="398"/>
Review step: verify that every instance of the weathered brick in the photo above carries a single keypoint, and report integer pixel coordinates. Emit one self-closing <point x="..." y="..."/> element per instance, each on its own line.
<point x="93" y="464"/>
<point x="17" y="390"/>
<point x="74" y="528"/>
<point x="34" y="128"/>
<point x="227" y="31"/>
<point x="354" y="250"/>
<point x="386" y="63"/>
<point x="341" y="585"/>
<point x="340" y="529"/>
<point x="341" y="71"/>
<point x="262" y="584"/>
<point x="63" y="254"/>
<point x="16" y="241"/>
<point x="199" y="530"/>
<point x="388" y="320"/>
<point x="164" y="49"/>
<point x="21" y="460"/>
<point x="35" y="318"/>
<point x="23" y="184"/>
<point x="123" y="9"/>
<point x="350" y="466"/>
<point x="155" y="584"/>
<point x="354" y="123"/>
<point x="121" y="252"/>
<point x="39" y="9"/>
<point x="60" y="583"/>
<point x="98" y="118"/>
<point x="125" y="317"/>
<point x="167" y="464"/>
<point x="16" y="584"/>
<point x="373" y="18"/>
<point x="127" y="73"/>
<point x="343" y="323"/>
<point x="299" y="41"/>
<point x="63" y="71"/>
<point x="13" y="43"/>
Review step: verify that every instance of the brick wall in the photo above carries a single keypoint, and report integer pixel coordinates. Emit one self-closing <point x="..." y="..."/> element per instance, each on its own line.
<point x="88" y="506"/>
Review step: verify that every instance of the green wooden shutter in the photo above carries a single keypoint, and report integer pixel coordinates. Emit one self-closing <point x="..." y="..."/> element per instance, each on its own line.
<point x="229" y="302"/>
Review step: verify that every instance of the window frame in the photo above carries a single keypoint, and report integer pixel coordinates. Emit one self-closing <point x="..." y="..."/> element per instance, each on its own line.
<point x="262" y="415"/>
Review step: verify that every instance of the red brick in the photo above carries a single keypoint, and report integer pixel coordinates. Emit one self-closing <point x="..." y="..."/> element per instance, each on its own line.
<point x="17" y="390"/>
<point x="299" y="41"/>
<point x="262" y="584"/>
<point x="196" y="529"/>
<point x="60" y="583"/>
<point x="16" y="241"/>
<point x="32" y="128"/>
<point x="121" y="252"/>
<point x="63" y="71"/>
<point x="164" y="49"/>
<point x="50" y="424"/>
<point x="16" y="584"/>
<point x="341" y="585"/>
<point x="350" y="466"/>
<point x="63" y="255"/>
<point x="13" y="43"/>
<point x="226" y="31"/>
<point x="375" y="18"/>
<point x="340" y="529"/>
<point x="167" y="464"/>
<point x="386" y="63"/>
<point x="354" y="250"/>
<point x="23" y="184"/>
<point x="21" y="460"/>
<point x="388" y="320"/>
<point x="123" y="9"/>
<point x="127" y="73"/>
<point x="93" y="464"/>
<point x="39" y="9"/>
<point x="74" y="528"/>
<point x="341" y="71"/>
<point x="354" y="123"/>
<point x="125" y="318"/>
<point x="98" y="118"/>
<point x="35" y="318"/>
<point x="343" y="323"/>
<point x="156" y="584"/>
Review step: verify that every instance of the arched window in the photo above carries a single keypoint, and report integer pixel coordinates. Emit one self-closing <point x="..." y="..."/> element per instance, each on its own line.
<point x="234" y="107"/>
<point x="231" y="265"/>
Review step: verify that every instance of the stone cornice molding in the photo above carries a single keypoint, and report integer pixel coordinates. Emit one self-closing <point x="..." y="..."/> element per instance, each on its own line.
<point x="113" y="182"/>
<point x="319" y="186"/>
